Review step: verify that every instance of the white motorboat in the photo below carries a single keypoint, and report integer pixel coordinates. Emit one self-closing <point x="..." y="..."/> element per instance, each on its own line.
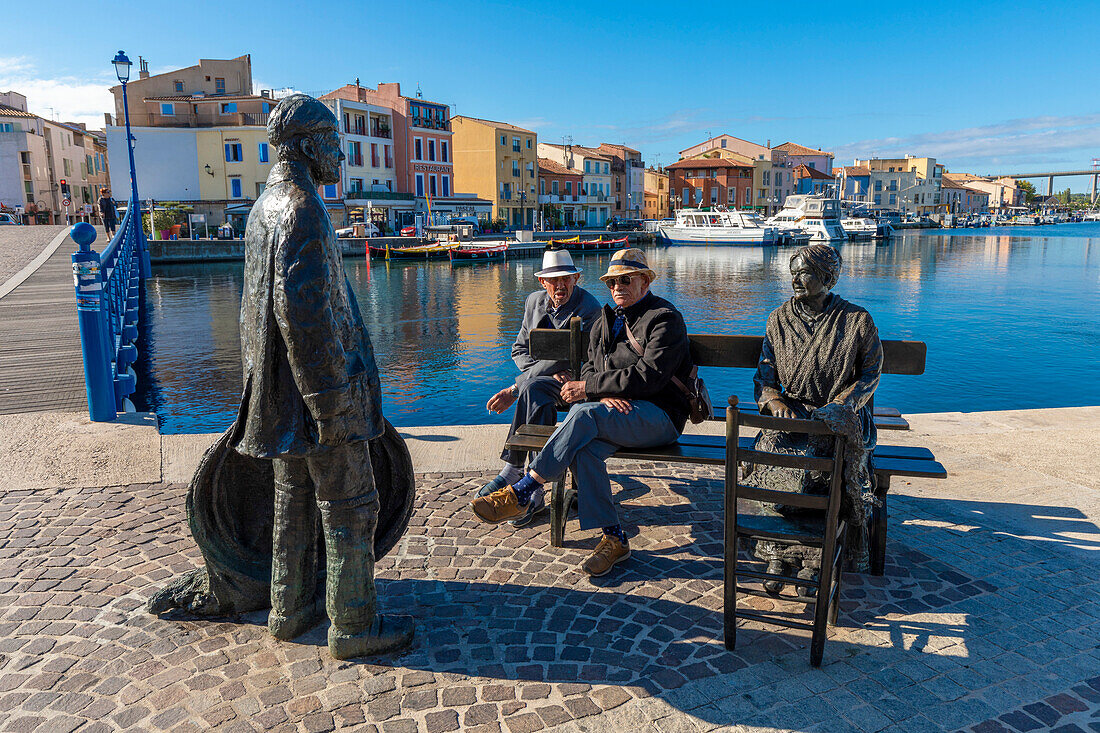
<point x="1091" y="216"/>
<point x="719" y="226"/>
<point x="859" y="227"/>
<point x="813" y="213"/>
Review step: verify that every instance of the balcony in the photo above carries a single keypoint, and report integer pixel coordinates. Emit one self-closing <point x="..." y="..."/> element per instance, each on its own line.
<point x="553" y="198"/>
<point x="383" y="132"/>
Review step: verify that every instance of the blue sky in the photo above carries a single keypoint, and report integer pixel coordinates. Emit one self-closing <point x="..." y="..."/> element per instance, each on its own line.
<point x="984" y="87"/>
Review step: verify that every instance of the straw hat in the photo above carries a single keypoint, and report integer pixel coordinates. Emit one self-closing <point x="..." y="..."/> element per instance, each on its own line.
<point x="628" y="262"/>
<point x="557" y="263"/>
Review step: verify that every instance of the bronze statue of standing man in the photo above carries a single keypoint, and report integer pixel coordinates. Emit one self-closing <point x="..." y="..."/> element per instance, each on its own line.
<point x="312" y="398"/>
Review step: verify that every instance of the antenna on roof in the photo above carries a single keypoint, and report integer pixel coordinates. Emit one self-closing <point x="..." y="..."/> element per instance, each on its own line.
<point x="419" y="94"/>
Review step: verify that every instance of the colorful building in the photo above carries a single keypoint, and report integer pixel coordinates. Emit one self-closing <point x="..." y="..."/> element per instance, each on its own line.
<point x="656" y="194"/>
<point x="812" y="181"/>
<point x="498" y="162"/>
<point x="704" y="182"/>
<point x="560" y="193"/>
<point x="595" y="168"/>
<point x="628" y="179"/>
<point x="772" y="179"/>
<point x="423" y="152"/>
<point x="813" y="158"/>
<point x="961" y="198"/>
<point x="44" y="164"/>
<point x="910" y="184"/>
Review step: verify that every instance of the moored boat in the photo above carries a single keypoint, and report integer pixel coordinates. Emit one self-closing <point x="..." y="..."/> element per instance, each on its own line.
<point x="818" y="215"/>
<point x="575" y="244"/>
<point x="719" y="226"/>
<point x="478" y="254"/>
<point x="433" y="251"/>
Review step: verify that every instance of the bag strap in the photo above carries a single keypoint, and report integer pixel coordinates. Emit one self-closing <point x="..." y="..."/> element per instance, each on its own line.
<point x="638" y="348"/>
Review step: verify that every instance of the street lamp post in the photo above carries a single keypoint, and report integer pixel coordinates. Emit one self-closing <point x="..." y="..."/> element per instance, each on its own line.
<point x="122" y="70"/>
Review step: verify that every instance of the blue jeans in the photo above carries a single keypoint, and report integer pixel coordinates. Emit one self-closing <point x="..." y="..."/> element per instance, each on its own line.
<point x="587" y="437"/>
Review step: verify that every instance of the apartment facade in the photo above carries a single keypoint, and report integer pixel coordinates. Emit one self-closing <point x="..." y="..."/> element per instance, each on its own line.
<point x="960" y="198"/>
<point x="705" y="182"/>
<point x="44" y="164"/>
<point x="370" y="179"/>
<point x="628" y="179"/>
<point x="228" y="79"/>
<point x="597" y="182"/>
<point x="1004" y="193"/>
<point x="560" y="196"/>
<point x="498" y="162"/>
<point x="772" y="178"/>
<point x="910" y="184"/>
<point x="809" y="180"/>
<point x="656" y="194"/>
<point x="423" y="150"/>
<point x="815" y="159"/>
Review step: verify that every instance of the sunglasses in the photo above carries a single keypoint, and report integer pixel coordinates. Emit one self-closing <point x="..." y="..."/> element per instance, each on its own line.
<point x="623" y="280"/>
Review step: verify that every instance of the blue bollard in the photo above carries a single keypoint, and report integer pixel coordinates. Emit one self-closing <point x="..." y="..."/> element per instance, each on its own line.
<point x="92" y="320"/>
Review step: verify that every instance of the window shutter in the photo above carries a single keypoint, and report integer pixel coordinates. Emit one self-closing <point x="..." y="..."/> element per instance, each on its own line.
<point x="228" y="154"/>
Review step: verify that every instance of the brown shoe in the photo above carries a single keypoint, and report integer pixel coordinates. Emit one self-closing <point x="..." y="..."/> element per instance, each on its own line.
<point x="497" y="507"/>
<point x="607" y="554"/>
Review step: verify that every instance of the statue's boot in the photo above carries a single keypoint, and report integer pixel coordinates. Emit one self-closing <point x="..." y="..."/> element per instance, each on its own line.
<point x="806" y="591"/>
<point x="351" y="599"/>
<point x="775" y="567"/>
<point x="295" y="608"/>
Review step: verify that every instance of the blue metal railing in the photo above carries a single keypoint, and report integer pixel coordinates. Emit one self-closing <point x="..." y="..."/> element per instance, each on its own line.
<point x="108" y="295"/>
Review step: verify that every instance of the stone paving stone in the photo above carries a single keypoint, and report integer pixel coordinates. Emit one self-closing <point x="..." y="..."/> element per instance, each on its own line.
<point x="511" y="636"/>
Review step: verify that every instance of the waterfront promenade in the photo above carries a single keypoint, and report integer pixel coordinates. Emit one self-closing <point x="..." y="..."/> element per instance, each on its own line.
<point x="987" y="618"/>
<point x="40" y="359"/>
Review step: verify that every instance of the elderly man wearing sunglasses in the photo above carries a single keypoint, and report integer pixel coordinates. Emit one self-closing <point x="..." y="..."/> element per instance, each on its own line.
<point x="625" y="398"/>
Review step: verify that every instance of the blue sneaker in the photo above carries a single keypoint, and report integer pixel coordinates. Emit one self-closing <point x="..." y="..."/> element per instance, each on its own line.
<point x="538" y="504"/>
<point x="496" y="484"/>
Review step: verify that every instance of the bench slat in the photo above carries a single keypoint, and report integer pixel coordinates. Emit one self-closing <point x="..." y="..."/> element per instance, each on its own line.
<point x="710" y="450"/>
<point x="745" y="442"/>
<point x="728" y="350"/>
<point x="787" y="498"/>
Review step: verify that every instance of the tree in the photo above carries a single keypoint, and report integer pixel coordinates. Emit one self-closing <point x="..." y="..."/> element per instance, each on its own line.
<point x="1028" y="189"/>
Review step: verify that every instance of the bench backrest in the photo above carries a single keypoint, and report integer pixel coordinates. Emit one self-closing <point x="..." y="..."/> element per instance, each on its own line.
<point x="714" y="350"/>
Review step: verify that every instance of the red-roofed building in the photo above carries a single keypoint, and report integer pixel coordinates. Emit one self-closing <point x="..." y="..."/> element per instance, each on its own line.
<point x="811" y="180"/>
<point x="560" y="196"/>
<point x="801" y="155"/>
<point x="710" y="182"/>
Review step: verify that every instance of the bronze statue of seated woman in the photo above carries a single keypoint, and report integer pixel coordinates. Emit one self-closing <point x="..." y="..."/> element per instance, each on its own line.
<point x="821" y="359"/>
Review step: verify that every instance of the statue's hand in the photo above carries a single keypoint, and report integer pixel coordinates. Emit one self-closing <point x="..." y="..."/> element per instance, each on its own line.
<point x="779" y="408"/>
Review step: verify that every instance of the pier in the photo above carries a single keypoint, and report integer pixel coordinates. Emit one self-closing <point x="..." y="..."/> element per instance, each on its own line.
<point x="40" y="358"/>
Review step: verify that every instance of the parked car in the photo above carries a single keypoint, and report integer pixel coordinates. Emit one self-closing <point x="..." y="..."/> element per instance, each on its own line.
<point x="372" y="231"/>
<point x="471" y="220"/>
<point x="9" y="219"/>
<point x="409" y="231"/>
<point x="625" y="225"/>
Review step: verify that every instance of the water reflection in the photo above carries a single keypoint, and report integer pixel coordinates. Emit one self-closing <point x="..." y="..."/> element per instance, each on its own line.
<point x="1009" y="318"/>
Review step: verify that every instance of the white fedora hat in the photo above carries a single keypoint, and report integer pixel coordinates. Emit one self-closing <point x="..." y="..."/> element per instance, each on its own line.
<point x="557" y="263"/>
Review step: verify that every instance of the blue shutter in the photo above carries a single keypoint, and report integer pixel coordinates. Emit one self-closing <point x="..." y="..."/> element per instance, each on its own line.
<point x="235" y="184"/>
<point x="240" y="151"/>
<point x="228" y="153"/>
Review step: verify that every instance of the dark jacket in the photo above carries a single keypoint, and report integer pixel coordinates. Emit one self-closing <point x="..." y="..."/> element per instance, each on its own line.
<point x="310" y="379"/>
<point x="107" y="209"/>
<point x="539" y="312"/>
<point x="614" y="368"/>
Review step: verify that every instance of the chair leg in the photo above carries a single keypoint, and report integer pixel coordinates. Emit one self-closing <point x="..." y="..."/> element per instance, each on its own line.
<point x="878" y="527"/>
<point x="821" y="607"/>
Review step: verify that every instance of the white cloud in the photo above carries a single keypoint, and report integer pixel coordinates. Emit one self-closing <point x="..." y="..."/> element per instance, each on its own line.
<point x="71" y="99"/>
<point x="1053" y="142"/>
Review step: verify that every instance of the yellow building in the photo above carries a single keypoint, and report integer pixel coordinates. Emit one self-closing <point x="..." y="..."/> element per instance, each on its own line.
<point x="233" y="162"/>
<point x="656" y="194"/>
<point x="499" y="163"/>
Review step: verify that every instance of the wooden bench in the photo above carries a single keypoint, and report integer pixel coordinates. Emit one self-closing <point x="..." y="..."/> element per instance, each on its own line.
<point x="899" y="357"/>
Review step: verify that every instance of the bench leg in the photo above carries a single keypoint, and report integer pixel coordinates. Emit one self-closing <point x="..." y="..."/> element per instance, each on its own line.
<point x="878" y="528"/>
<point x="561" y="497"/>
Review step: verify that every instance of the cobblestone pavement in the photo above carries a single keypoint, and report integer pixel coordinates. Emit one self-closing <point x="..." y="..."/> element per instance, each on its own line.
<point x="970" y="629"/>
<point x="20" y="245"/>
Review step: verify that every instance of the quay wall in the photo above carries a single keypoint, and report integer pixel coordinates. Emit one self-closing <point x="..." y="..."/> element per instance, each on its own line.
<point x="229" y="250"/>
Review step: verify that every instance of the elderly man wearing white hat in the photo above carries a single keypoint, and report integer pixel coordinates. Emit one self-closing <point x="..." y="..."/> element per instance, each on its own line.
<point x="537" y="389"/>
<point x="626" y="396"/>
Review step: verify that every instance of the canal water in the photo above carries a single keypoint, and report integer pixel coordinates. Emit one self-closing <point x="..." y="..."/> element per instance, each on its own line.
<point x="1011" y="318"/>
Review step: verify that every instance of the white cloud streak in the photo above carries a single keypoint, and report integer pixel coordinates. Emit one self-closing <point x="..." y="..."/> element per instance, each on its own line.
<point x="63" y="98"/>
<point x="1068" y="141"/>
